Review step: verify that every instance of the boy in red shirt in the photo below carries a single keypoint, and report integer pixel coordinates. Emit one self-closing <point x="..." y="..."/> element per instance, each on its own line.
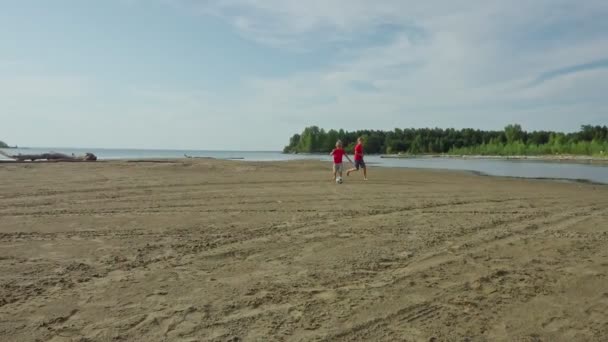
<point x="359" y="163"/>
<point x="338" y="153"/>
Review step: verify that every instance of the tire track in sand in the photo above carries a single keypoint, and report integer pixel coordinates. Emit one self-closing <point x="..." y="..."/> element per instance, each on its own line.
<point x="427" y="309"/>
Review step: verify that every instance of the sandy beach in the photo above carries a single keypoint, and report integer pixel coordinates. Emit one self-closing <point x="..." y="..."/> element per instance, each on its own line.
<point x="206" y="250"/>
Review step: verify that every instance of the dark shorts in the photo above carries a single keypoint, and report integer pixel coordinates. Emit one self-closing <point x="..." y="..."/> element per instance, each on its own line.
<point x="359" y="164"/>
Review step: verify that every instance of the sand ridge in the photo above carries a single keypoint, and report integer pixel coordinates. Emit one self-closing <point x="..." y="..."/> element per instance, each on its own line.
<point x="204" y="250"/>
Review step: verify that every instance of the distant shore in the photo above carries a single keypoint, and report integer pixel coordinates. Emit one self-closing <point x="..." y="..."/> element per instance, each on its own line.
<point x="544" y="158"/>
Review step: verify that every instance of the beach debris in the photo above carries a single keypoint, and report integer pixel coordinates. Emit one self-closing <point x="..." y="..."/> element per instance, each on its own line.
<point x="51" y="156"/>
<point x="227" y="158"/>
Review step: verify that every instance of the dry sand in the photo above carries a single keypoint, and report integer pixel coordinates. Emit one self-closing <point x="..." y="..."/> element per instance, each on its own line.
<point x="203" y="250"/>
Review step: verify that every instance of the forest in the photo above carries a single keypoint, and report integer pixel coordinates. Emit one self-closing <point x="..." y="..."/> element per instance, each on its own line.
<point x="512" y="140"/>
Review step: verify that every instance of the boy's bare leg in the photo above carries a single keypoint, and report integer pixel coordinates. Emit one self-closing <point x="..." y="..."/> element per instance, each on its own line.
<point x="365" y="173"/>
<point x="351" y="170"/>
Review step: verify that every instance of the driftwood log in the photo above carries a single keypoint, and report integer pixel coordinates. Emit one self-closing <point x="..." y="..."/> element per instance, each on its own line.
<point x="52" y="156"/>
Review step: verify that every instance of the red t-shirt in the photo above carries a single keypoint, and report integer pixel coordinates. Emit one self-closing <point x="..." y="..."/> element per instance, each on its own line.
<point x="359" y="152"/>
<point x="338" y="154"/>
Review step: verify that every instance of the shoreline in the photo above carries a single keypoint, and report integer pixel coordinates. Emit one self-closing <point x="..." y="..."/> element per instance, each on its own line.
<point x="544" y="158"/>
<point x="269" y="162"/>
<point x="550" y="179"/>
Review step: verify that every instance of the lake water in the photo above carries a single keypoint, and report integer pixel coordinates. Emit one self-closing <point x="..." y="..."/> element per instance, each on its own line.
<point x="508" y="168"/>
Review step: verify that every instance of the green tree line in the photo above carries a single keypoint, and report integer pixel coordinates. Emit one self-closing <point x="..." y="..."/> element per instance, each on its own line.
<point x="3" y="145"/>
<point x="513" y="140"/>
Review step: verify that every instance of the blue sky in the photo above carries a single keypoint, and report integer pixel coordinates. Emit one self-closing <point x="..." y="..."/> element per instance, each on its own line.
<point x="247" y="74"/>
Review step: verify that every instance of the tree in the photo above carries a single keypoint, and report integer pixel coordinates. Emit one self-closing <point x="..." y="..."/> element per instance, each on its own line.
<point x="293" y="143"/>
<point x="330" y="141"/>
<point x="538" y="138"/>
<point x="309" y="141"/>
<point x="3" y="145"/>
<point x="590" y="140"/>
<point x="416" y="146"/>
<point x="514" y="133"/>
<point x="373" y="143"/>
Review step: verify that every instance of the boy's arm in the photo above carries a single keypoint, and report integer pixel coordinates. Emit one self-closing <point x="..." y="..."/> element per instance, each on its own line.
<point x="332" y="152"/>
<point x="347" y="157"/>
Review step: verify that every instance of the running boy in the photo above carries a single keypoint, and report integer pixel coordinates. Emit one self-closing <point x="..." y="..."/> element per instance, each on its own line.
<point x="359" y="163"/>
<point x="338" y="153"/>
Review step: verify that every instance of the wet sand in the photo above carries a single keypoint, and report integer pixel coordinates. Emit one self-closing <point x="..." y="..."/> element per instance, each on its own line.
<point x="203" y="250"/>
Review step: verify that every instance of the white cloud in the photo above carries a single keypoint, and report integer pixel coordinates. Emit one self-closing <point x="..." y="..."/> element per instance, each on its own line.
<point x="41" y="86"/>
<point x="439" y="63"/>
<point x="185" y="104"/>
<point x="473" y="54"/>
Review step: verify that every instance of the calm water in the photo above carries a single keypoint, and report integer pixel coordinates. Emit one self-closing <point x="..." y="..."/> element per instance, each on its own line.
<point x="508" y="168"/>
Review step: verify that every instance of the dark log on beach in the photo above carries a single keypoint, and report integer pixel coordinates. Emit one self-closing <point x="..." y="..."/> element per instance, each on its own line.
<point x="50" y="157"/>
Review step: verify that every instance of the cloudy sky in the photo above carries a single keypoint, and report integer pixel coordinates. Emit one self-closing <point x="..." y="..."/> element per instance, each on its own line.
<point x="247" y="74"/>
